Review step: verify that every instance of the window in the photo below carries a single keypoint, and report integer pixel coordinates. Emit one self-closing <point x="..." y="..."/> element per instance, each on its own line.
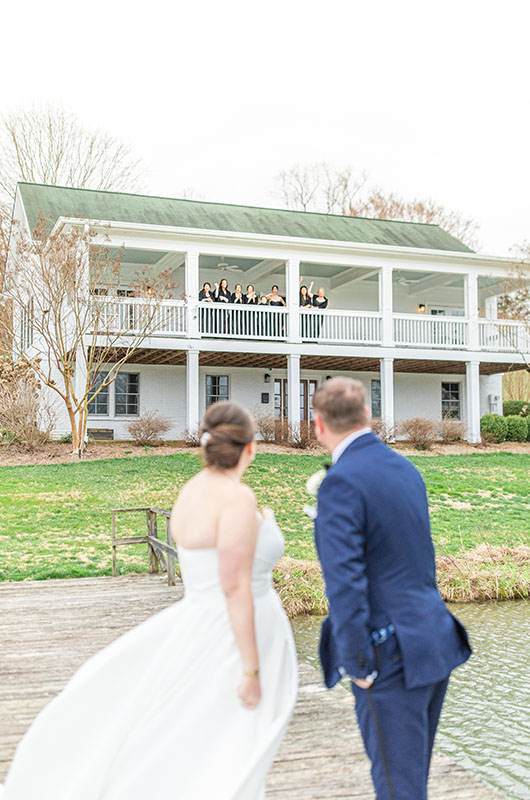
<point x="127" y="393"/>
<point x="100" y="403"/>
<point x="376" y="399"/>
<point x="451" y="401"/>
<point x="217" y="388"/>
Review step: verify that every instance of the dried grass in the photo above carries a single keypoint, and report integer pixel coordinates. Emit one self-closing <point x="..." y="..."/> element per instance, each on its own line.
<point x="301" y="586"/>
<point x="484" y="573"/>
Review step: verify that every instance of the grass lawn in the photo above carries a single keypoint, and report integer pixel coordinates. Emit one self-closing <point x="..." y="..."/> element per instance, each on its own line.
<point x="55" y="521"/>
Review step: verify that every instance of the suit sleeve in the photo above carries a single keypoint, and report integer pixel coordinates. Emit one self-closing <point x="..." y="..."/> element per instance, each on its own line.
<point x="340" y="544"/>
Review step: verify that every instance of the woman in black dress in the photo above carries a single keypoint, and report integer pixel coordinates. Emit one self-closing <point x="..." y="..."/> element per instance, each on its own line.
<point x="306" y="302"/>
<point x="275" y="299"/>
<point x="306" y="296"/>
<point x="238" y="298"/>
<point x="205" y="316"/>
<point x="250" y="298"/>
<point x="222" y="295"/>
<point x="320" y="302"/>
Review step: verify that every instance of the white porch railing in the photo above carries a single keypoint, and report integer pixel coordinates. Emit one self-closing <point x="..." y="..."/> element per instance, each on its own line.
<point x="413" y="330"/>
<point x="234" y="321"/>
<point x="504" y="335"/>
<point x="134" y="315"/>
<point x="122" y="315"/>
<point x="348" y="327"/>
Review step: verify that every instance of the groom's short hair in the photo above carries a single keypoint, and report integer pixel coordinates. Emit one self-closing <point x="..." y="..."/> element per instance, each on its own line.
<point x="341" y="404"/>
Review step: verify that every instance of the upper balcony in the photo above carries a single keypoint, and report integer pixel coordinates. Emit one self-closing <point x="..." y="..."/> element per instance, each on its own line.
<point x="366" y="307"/>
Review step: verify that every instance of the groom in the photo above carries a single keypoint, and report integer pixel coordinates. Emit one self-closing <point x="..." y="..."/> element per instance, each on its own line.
<point x="388" y="628"/>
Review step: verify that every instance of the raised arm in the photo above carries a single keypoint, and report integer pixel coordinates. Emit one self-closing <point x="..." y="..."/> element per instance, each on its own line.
<point x="340" y="544"/>
<point x="236" y="543"/>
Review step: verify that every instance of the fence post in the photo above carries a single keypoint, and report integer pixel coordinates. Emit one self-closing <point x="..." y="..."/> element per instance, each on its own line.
<point x="113" y="544"/>
<point x="171" y="575"/>
<point x="151" y="531"/>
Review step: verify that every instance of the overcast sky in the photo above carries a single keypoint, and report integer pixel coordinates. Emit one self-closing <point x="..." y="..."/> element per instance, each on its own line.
<point x="431" y="98"/>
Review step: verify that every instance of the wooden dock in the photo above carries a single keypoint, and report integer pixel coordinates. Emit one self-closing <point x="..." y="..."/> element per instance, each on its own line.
<point x="48" y="628"/>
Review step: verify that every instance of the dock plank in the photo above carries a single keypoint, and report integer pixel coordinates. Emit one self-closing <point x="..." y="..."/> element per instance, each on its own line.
<point x="49" y="628"/>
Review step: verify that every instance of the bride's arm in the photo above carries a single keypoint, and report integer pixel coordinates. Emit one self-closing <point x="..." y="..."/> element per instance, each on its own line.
<point x="236" y="542"/>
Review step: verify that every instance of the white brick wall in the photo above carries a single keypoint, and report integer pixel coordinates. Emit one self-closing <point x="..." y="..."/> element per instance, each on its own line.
<point x="163" y="388"/>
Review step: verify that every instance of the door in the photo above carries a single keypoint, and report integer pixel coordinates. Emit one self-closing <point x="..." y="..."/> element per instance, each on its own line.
<point x="307" y="390"/>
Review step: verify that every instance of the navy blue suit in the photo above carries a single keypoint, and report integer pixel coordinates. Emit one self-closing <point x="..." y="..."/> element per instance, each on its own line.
<point x="373" y="538"/>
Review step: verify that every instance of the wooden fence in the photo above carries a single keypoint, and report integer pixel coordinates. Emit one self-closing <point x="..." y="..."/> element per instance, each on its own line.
<point x="161" y="555"/>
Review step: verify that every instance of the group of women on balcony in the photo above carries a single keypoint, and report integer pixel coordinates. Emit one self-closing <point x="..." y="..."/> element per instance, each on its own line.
<point x="222" y="294"/>
<point x="227" y="321"/>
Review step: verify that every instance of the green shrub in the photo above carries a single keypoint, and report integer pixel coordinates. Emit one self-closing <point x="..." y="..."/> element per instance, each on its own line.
<point x="493" y="428"/>
<point x="519" y="408"/>
<point x="66" y="439"/>
<point x="517" y="429"/>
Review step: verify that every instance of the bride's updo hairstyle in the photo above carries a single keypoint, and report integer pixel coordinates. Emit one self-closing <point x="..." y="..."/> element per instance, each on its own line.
<point x="226" y="429"/>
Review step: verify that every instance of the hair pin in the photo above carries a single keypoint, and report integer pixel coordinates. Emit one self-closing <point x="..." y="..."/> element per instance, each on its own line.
<point x="205" y="438"/>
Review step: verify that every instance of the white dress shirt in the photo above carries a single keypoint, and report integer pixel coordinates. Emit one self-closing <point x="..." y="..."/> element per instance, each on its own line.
<point x="341" y="447"/>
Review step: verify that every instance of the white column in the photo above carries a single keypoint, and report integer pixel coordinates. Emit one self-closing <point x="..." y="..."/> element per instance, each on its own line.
<point x="293" y="391"/>
<point x="192" y="391"/>
<point x="192" y="293"/>
<point x="473" y="401"/>
<point x="293" y="295"/>
<point x="492" y="307"/>
<point x="387" y="392"/>
<point x="386" y="305"/>
<point x="471" y="297"/>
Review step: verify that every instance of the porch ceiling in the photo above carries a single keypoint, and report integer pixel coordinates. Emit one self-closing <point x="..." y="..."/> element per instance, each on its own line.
<point x="325" y="363"/>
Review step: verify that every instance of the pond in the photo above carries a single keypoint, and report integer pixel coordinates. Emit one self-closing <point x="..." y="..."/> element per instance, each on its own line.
<point x="485" y="724"/>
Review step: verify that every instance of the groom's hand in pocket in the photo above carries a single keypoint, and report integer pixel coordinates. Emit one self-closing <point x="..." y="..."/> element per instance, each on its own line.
<point x="362" y="683"/>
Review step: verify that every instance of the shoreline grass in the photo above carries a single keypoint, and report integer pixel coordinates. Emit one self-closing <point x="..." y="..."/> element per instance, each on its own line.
<point x="55" y="520"/>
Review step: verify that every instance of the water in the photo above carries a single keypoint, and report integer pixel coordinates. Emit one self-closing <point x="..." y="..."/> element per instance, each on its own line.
<point x="485" y="723"/>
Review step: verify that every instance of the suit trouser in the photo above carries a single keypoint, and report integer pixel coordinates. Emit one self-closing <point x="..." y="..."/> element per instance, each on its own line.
<point x="398" y="726"/>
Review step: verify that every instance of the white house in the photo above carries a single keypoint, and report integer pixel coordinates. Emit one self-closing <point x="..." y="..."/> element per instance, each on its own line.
<point x="412" y="310"/>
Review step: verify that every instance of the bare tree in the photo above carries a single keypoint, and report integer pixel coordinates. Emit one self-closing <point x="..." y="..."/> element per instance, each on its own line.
<point x="380" y="205"/>
<point x="516" y="384"/>
<point x="319" y="187"/>
<point x="515" y="301"/>
<point x="67" y="319"/>
<point x="49" y="145"/>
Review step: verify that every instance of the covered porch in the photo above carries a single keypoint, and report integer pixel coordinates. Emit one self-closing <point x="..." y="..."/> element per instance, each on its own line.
<point x="366" y="305"/>
<point x="182" y="383"/>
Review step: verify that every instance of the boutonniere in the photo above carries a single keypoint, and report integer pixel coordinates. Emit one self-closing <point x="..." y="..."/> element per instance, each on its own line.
<point x="312" y="486"/>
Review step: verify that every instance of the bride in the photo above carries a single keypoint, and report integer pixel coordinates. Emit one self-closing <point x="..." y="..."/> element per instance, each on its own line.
<point x="194" y="702"/>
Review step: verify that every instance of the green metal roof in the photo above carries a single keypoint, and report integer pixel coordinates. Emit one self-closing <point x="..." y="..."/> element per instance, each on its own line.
<point x="56" y="201"/>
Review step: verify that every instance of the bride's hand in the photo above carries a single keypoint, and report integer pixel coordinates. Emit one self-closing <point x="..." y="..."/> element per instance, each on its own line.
<point x="249" y="691"/>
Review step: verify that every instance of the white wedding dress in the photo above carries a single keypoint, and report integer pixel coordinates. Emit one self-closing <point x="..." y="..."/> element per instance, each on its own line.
<point x="156" y="714"/>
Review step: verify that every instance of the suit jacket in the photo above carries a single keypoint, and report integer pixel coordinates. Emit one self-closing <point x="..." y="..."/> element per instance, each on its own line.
<point x="373" y="539"/>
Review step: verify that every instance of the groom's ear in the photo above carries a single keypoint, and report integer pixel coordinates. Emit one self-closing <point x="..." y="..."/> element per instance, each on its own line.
<point x="319" y="426"/>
